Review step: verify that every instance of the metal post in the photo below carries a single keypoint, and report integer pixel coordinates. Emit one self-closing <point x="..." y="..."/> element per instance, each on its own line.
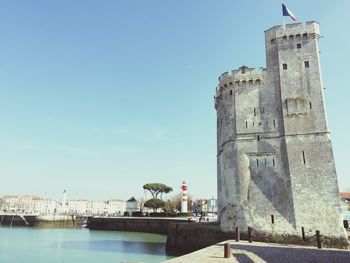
<point x="303" y="234"/>
<point x="250" y="235"/>
<point x="238" y="234"/>
<point x="227" y="248"/>
<point x="318" y="239"/>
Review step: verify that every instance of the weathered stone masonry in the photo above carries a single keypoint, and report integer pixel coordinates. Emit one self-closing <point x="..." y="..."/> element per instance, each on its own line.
<point x="275" y="165"/>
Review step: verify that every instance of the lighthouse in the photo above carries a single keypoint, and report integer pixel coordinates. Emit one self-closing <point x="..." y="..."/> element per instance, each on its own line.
<point x="184" y="199"/>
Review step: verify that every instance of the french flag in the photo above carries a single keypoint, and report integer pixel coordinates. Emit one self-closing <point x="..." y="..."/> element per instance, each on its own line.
<point x="287" y="12"/>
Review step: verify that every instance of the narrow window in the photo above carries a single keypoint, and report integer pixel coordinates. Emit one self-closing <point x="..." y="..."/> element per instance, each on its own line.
<point x="246" y="124"/>
<point x="230" y="92"/>
<point x="304" y="161"/>
<point x="257" y="162"/>
<point x="263" y="109"/>
<point x="298" y="45"/>
<point x="274" y="123"/>
<point x="267" y="123"/>
<point x="272" y="41"/>
<point x="265" y="161"/>
<point x="310" y="106"/>
<point x="284" y="37"/>
<point x="306" y="64"/>
<point x="253" y="124"/>
<point x="284" y="65"/>
<point x="273" y="162"/>
<point x="272" y="219"/>
<point x="254" y="112"/>
<point x="277" y="109"/>
<point x="305" y="35"/>
<point x="258" y="137"/>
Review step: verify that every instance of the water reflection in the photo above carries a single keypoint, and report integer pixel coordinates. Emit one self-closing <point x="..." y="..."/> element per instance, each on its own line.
<point x="121" y="246"/>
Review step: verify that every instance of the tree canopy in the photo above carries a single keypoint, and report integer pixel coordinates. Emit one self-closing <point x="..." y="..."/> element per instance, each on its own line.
<point x="154" y="203"/>
<point x="157" y="189"/>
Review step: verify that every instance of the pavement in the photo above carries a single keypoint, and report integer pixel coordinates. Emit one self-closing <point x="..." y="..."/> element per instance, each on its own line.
<point x="244" y="252"/>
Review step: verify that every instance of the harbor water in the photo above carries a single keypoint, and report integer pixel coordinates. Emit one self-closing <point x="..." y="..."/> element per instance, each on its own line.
<point x="69" y="245"/>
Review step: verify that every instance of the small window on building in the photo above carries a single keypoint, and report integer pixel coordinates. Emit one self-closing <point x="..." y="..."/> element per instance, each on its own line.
<point x="257" y="162"/>
<point x="306" y="64"/>
<point x="230" y="92"/>
<point x="246" y="124"/>
<point x="310" y="106"/>
<point x="298" y="45"/>
<point x="304" y="160"/>
<point x="274" y="123"/>
<point x="230" y="83"/>
<point x="258" y="137"/>
<point x="284" y="65"/>
<point x="254" y="112"/>
<point x="273" y="162"/>
<point x="237" y="82"/>
<point x="305" y="35"/>
<point x="257" y="81"/>
<point x="284" y="37"/>
<point x="273" y="41"/>
<point x="291" y="37"/>
<point x="250" y="81"/>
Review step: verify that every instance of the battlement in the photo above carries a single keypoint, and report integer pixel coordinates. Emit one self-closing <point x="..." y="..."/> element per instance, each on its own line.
<point x="296" y="30"/>
<point x="243" y="75"/>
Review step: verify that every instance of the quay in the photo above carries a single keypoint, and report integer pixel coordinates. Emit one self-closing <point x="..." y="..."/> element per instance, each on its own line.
<point x="260" y="252"/>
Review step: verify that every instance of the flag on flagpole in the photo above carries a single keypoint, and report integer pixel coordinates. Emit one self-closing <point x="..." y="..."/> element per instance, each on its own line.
<point x="287" y="12"/>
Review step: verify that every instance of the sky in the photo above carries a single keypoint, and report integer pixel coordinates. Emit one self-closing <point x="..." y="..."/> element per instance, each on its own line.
<point x="102" y="97"/>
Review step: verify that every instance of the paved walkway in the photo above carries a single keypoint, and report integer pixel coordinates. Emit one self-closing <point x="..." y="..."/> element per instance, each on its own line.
<point x="244" y="252"/>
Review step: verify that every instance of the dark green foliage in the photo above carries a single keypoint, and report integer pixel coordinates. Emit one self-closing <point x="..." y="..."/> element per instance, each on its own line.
<point x="137" y="214"/>
<point x="157" y="189"/>
<point x="154" y="203"/>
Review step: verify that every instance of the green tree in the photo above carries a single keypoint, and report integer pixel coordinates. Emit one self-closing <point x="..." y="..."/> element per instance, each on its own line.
<point x="154" y="203"/>
<point x="157" y="189"/>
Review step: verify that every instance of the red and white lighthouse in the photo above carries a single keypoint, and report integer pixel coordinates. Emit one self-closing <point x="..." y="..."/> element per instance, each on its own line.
<point x="184" y="200"/>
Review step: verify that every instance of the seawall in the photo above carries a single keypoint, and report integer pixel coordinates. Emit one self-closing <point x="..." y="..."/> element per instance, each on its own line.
<point x="182" y="236"/>
<point x="17" y="220"/>
<point x="134" y="224"/>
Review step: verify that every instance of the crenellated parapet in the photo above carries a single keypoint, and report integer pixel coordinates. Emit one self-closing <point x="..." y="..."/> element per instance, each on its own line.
<point x="297" y="31"/>
<point x="241" y="77"/>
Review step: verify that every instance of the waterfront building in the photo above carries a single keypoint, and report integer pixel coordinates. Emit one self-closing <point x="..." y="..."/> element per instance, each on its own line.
<point x="276" y="171"/>
<point x="132" y="205"/>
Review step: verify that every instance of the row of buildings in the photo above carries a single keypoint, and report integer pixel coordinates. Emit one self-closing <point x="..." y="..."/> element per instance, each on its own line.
<point x="31" y="204"/>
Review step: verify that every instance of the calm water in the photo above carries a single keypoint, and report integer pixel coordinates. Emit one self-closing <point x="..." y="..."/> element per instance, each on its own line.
<point x="38" y="245"/>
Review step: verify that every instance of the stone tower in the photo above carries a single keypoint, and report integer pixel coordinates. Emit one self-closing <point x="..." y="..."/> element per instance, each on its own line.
<point x="275" y="165"/>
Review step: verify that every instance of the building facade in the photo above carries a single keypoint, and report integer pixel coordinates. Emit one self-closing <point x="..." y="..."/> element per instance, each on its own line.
<point x="275" y="165"/>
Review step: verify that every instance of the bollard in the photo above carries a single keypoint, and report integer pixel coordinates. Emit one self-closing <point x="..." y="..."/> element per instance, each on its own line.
<point x="318" y="239"/>
<point x="238" y="234"/>
<point x="250" y="235"/>
<point x="303" y="234"/>
<point x="227" y="248"/>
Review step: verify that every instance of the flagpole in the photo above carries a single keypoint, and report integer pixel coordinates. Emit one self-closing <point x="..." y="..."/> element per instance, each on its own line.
<point x="284" y="22"/>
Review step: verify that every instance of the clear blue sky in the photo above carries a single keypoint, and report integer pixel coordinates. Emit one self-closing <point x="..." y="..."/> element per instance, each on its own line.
<point x="101" y="97"/>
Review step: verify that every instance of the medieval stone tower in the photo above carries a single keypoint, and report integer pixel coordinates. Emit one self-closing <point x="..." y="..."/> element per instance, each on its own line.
<point x="275" y="163"/>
